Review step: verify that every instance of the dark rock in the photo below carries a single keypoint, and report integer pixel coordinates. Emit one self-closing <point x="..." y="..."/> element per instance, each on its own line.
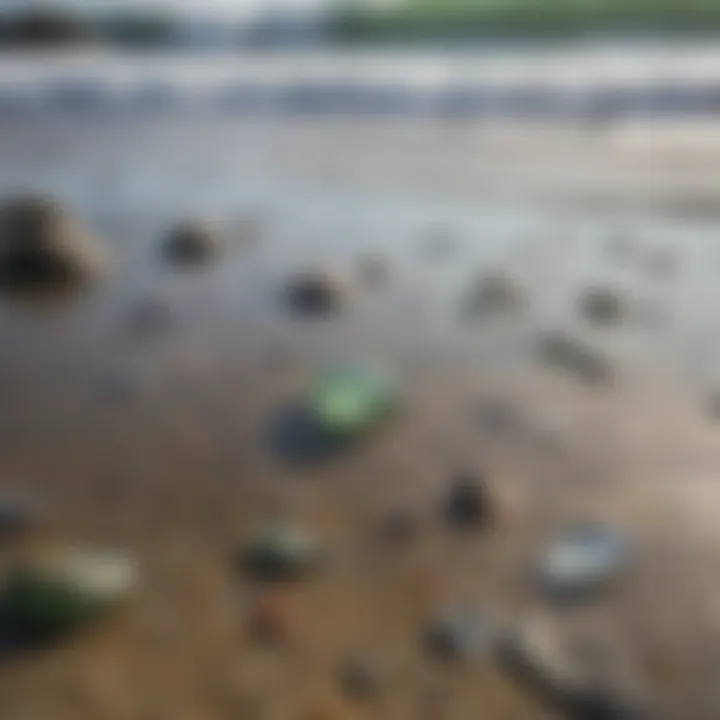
<point x="468" y="504"/>
<point x="575" y="357"/>
<point x="41" y="246"/>
<point x="461" y="635"/>
<point x="280" y="552"/>
<point x="602" y="306"/>
<point x="494" y="294"/>
<point x="361" y="679"/>
<point x="192" y="243"/>
<point x="51" y="595"/>
<point x="536" y="657"/>
<point x="316" y="293"/>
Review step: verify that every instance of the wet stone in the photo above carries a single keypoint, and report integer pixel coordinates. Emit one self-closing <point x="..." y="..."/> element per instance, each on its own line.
<point x="191" y="243"/>
<point x="43" y="247"/>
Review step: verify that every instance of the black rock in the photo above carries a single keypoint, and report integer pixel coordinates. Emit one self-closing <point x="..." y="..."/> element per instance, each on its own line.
<point x="468" y="504"/>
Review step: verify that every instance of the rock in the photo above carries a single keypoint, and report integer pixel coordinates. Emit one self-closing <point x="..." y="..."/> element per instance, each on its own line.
<point x="316" y="293"/>
<point x="468" y="504"/>
<point x="60" y="591"/>
<point x="713" y="406"/>
<point x="349" y="400"/>
<point x="581" y="561"/>
<point x="537" y="658"/>
<point x="192" y="243"/>
<point x="575" y="357"/>
<point x="361" y="679"/>
<point x="461" y="635"/>
<point x="41" y="245"/>
<point x="280" y="551"/>
<point x="492" y="295"/>
<point x="602" y="306"/>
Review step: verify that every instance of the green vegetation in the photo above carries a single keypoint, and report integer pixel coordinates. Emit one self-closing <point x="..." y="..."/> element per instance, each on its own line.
<point x="470" y="19"/>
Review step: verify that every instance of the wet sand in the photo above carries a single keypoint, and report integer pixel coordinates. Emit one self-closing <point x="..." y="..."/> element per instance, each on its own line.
<point x="162" y="441"/>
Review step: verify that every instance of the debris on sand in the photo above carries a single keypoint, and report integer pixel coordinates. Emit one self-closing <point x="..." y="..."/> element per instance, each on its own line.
<point x="583" y="560"/>
<point x="361" y="679"/>
<point x="461" y="635"/>
<point x="574" y="356"/>
<point x="51" y="595"/>
<point x="468" y="505"/>
<point x="603" y="306"/>
<point x="280" y="551"/>
<point x="349" y="400"/>
<point x="192" y="242"/>
<point x="535" y="655"/>
<point x="316" y="293"/>
<point x="43" y="246"/>
<point x="492" y="295"/>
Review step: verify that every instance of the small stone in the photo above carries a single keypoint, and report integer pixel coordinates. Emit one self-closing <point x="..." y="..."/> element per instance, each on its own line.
<point x="468" y="504"/>
<point x="581" y="561"/>
<point x="18" y="514"/>
<point x="494" y="294"/>
<point x="461" y="635"/>
<point x="713" y="406"/>
<point x="57" y="592"/>
<point x="349" y="400"/>
<point x="400" y="526"/>
<point x="361" y="679"/>
<point x="535" y="655"/>
<point x="42" y="246"/>
<point x="575" y="357"/>
<point x="192" y="243"/>
<point x="372" y="271"/>
<point x="316" y="293"/>
<point x="602" y="306"/>
<point x="151" y="316"/>
<point x="272" y="619"/>
<point x="280" y="551"/>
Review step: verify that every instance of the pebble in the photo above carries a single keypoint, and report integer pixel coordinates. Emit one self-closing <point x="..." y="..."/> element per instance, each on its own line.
<point x="316" y="293"/>
<point x="575" y="357"/>
<point x="191" y="242"/>
<point x="461" y="634"/>
<point x="602" y="306"/>
<point x="468" y="504"/>
<point x="361" y="679"/>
